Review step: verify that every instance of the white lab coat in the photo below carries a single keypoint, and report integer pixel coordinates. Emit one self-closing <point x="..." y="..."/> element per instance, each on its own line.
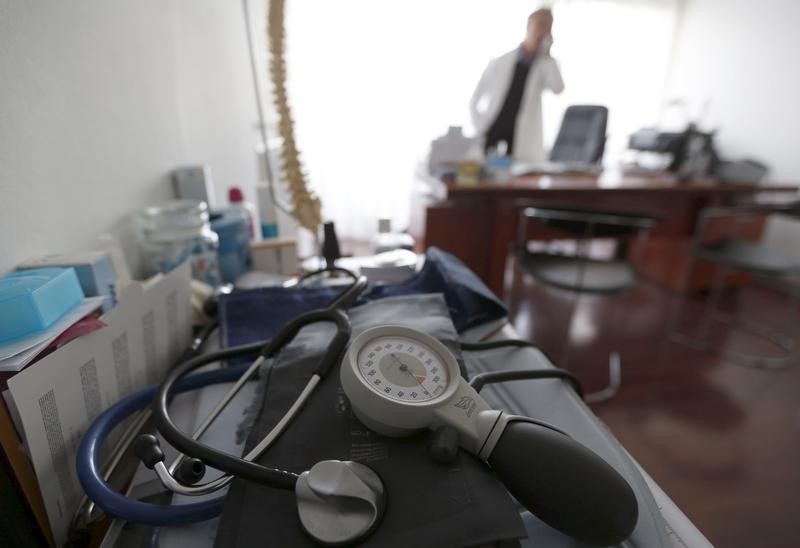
<point x="491" y="91"/>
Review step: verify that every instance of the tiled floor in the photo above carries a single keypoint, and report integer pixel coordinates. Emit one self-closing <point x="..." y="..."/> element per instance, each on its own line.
<point x="721" y="439"/>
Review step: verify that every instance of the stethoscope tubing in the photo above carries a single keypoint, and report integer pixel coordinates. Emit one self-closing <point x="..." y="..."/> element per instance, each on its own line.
<point x="84" y="514"/>
<point x="113" y="503"/>
<point x="89" y="469"/>
<point x="230" y="464"/>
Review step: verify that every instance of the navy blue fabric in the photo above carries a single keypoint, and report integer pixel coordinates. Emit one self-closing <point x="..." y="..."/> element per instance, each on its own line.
<point x="470" y="302"/>
<point x="257" y="314"/>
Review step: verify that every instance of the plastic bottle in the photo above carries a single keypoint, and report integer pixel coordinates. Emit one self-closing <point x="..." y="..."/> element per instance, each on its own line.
<point x="236" y="199"/>
<point x="267" y="212"/>
<point x="468" y="171"/>
<point x="230" y="224"/>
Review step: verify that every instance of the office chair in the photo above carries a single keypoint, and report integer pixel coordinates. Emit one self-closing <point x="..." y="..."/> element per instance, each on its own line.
<point x="579" y="273"/>
<point x="732" y="253"/>
<point x="582" y="136"/>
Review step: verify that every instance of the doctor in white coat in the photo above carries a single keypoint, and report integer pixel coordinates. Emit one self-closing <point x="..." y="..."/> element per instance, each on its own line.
<point x="507" y="103"/>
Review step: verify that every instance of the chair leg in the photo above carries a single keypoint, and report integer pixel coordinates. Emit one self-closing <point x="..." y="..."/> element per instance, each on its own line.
<point x="567" y="344"/>
<point x="583" y="252"/>
<point x="776" y="336"/>
<point x="781" y="338"/>
<point x="700" y="342"/>
<point x="717" y="288"/>
<point x="676" y="311"/>
<point x="510" y="282"/>
<point x="614" y="381"/>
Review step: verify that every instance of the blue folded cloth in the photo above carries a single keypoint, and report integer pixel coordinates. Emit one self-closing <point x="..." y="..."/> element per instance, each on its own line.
<point x="468" y="299"/>
<point x="257" y="314"/>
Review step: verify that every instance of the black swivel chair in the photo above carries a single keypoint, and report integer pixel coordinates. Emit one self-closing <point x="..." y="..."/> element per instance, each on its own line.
<point x="582" y="136"/>
<point x="578" y="273"/>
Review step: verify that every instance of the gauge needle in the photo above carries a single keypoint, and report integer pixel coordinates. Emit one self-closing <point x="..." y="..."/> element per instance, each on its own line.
<point x="407" y="369"/>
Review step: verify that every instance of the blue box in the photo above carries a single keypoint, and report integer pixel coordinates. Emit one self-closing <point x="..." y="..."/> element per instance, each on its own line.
<point x="32" y="300"/>
<point x="94" y="269"/>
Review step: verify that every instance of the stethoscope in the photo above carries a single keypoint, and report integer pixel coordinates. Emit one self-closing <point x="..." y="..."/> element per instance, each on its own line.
<point x="398" y="380"/>
<point x="182" y="475"/>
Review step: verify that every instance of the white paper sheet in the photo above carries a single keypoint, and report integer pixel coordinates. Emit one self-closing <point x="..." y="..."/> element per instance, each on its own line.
<point x="16" y="355"/>
<point x="58" y="396"/>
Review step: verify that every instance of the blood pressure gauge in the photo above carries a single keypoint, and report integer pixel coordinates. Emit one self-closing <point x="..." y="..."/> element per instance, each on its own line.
<point x="403" y="368"/>
<point x="400" y="380"/>
<point x="403" y="365"/>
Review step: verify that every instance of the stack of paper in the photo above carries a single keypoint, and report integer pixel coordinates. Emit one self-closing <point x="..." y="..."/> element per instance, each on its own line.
<point x="55" y="399"/>
<point x="17" y="354"/>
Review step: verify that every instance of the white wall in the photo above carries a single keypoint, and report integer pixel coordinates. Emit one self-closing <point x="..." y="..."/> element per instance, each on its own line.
<point x="740" y="58"/>
<point x="99" y="100"/>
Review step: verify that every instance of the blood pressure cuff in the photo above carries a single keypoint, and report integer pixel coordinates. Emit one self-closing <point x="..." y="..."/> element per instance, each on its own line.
<point x="469" y="301"/>
<point x="429" y="504"/>
<point x="257" y="314"/>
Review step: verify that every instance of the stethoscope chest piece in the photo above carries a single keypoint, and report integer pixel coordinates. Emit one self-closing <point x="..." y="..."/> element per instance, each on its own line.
<point x="339" y="502"/>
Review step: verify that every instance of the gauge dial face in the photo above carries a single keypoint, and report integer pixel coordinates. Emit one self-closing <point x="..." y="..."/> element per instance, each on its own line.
<point x="403" y="369"/>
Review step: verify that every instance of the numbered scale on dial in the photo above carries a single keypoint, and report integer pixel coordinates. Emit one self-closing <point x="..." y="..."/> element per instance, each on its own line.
<point x="403" y="369"/>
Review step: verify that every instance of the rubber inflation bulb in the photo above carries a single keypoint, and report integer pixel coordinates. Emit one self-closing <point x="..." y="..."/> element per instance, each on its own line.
<point x="565" y="484"/>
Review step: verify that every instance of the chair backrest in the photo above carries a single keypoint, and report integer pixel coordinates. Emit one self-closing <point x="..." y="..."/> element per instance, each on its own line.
<point x="582" y="136"/>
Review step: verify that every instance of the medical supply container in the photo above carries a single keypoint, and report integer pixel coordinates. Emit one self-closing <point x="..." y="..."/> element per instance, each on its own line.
<point x="231" y="226"/>
<point x="236" y="199"/>
<point x="175" y="231"/>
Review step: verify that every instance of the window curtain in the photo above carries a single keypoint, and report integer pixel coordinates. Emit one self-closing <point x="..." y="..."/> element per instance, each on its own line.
<point x="373" y="82"/>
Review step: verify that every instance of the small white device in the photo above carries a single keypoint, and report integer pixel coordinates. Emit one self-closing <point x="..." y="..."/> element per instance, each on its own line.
<point x="194" y="183"/>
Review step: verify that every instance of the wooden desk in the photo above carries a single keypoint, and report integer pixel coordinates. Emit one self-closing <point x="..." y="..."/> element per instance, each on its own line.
<point x="479" y="223"/>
